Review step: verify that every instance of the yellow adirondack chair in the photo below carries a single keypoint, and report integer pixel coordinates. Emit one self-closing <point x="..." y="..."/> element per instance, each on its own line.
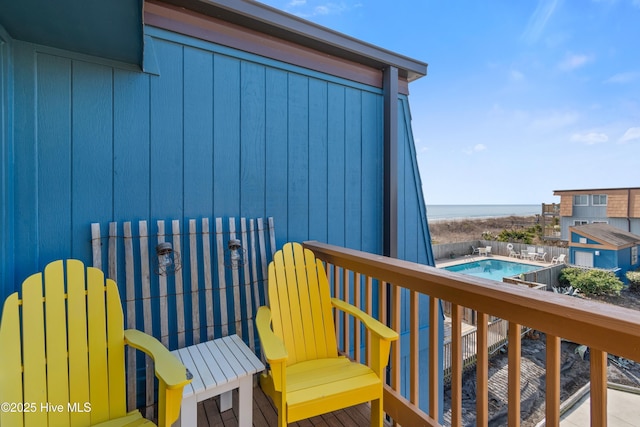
<point x="306" y="376"/>
<point x="62" y="354"/>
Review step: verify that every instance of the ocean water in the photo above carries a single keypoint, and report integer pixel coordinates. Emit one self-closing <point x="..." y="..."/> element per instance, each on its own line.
<point x="447" y="212"/>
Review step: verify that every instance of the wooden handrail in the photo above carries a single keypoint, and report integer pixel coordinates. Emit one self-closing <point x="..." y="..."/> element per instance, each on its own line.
<point x="604" y="328"/>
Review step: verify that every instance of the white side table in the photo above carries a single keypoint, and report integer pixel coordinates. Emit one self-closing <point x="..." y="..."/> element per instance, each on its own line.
<point x="218" y="367"/>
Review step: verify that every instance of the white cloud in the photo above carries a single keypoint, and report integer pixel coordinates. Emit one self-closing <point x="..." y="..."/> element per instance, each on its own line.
<point x="515" y="75"/>
<point x="538" y="20"/>
<point x="305" y="9"/>
<point x="476" y="148"/>
<point x="632" y="134"/>
<point x="627" y="77"/>
<point x="590" y="138"/>
<point x="555" y="120"/>
<point x="573" y="61"/>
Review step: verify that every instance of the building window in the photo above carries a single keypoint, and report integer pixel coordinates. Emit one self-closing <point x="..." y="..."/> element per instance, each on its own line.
<point x="634" y="255"/>
<point x="599" y="199"/>
<point x="599" y="222"/>
<point x="580" y="222"/>
<point x="581" y="200"/>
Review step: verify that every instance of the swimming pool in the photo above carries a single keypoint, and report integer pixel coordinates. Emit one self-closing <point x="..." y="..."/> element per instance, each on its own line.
<point x="493" y="269"/>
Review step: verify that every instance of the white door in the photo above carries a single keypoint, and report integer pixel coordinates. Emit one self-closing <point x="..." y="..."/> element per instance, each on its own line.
<point x="583" y="259"/>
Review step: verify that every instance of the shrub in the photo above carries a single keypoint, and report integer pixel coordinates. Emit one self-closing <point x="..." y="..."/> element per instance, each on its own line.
<point x="634" y="281"/>
<point x="522" y="236"/>
<point x="487" y="235"/>
<point x="515" y="236"/>
<point x="568" y="276"/>
<point x="591" y="282"/>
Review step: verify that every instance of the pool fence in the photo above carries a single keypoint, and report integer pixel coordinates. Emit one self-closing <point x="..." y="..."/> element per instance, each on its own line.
<point x="460" y="249"/>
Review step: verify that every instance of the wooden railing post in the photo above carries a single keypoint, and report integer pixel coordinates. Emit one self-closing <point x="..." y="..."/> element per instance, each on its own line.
<point x="553" y="381"/>
<point x="414" y="348"/>
<point x="598" y="361"/>
<point x="456" y="366"/>
<point x="434" y="365"/>
<point x="482" y="371"/>
<point x="515" y="346"/>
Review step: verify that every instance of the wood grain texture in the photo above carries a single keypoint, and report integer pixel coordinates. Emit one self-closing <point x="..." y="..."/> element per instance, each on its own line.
<point x="166" y="134"/>
<point x="211" y="133"/>
<point x="552" y="409"/>
<point x="198" y="131"/>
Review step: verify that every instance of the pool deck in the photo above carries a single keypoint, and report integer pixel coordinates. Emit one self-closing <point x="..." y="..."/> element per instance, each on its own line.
<point x="446" y="262"/>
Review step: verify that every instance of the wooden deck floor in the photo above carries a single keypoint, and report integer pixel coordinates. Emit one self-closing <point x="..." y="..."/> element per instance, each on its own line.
<point x="265" y="415"/>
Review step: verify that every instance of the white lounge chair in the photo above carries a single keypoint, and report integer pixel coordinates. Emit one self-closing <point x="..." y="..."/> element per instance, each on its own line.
<point x="541" y="256"/>
<point x="512" y="253"/>
<point x="558" y="259"/>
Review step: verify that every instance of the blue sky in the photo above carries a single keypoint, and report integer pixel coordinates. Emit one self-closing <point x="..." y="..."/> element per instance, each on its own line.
<point x="521" y="97"/>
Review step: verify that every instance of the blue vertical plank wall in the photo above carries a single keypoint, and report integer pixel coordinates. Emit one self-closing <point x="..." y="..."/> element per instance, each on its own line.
<point x="53" y="159"/>
<point x="336" y="167"/>
<point x="198" y="132"/>
<point x="216" y="132"/>
<point x="6" y="190"/>
<point x="414" y="244"/>
<point x="318" y="155"/>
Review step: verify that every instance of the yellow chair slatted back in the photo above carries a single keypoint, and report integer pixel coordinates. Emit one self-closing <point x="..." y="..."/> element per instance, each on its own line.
<point x="67" y="356"/>
<point x="301" y="304"/>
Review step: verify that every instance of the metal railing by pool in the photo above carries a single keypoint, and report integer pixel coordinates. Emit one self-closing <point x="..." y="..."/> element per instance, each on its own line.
<point x="604" y="328"/>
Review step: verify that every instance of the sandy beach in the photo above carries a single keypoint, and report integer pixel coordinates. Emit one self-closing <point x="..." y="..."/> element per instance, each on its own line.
<point x="463" y="230"/>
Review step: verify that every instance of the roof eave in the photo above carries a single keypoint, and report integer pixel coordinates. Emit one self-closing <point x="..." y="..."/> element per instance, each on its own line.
<point x="111" y="29"/>
<point x="594" y="189"/>
<point x="268" y="20"/>
<point x="630" y="239"/>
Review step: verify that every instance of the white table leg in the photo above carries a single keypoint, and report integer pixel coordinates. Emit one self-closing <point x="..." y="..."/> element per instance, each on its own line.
<point x="188" y="412"/>
<point x="245" y="399"/>
<point x="226" y="401"/>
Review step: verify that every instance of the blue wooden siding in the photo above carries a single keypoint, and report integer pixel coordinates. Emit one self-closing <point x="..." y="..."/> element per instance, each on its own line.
<point x="218" y="132"/>
<point x="618" y="259"/>
<point x="414" y="244"/>
<point x="6" y="194"/>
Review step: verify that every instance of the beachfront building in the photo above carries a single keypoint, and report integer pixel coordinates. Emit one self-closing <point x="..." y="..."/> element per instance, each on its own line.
<point x="603" y="246"/>
<point x="618" y="207"/>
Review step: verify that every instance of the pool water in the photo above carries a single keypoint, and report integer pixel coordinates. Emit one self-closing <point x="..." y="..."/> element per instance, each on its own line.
<point x="493" y="269"/>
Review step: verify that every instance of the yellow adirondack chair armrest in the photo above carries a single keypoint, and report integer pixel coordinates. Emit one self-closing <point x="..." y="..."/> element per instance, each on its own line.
<point x="274" y="351"/>
<point x="374" y="325"/>
<point x="167" y="367"/>
<point x="272" y="345"/>
<point x="381" y="335"/>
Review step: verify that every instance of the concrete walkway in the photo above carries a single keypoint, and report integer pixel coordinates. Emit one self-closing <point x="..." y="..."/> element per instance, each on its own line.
<point x="623" y="410"/>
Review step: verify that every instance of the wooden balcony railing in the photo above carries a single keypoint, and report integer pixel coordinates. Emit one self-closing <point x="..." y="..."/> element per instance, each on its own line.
<point x="605" y="329"/>
<point x="496" y="338"/>
<point x="551" y="208"/>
